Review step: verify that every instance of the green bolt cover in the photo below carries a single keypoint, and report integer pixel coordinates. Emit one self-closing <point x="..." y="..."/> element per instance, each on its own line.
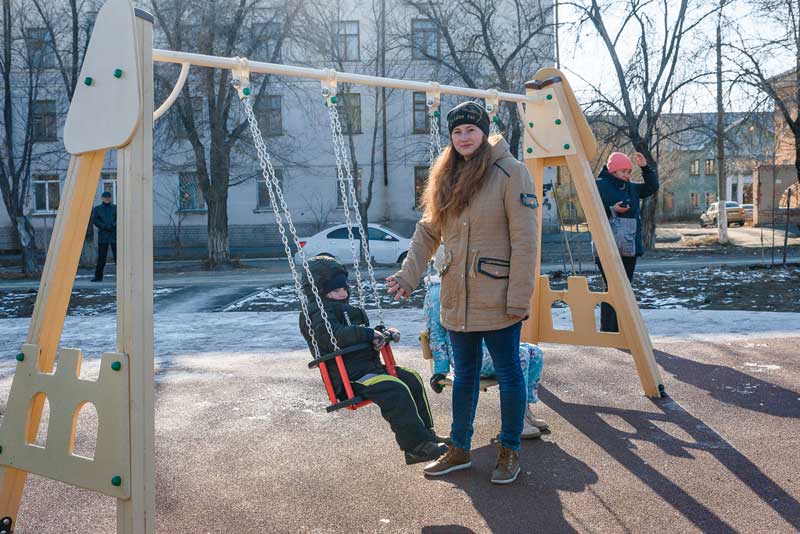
<point x="549" y="97"/>
<point x="117" y="73"/>
<point x="530" y="124"/>
<point x="116" y="366"/>
<point x="566" y="146"/>
<point x="88" y="80"/>
<point x="246" y="91"/>
<point x="558" y="121"/>
<point x="20" y="357"/>
<point x="436" y="113"/>
<point x="496" y="118"/>
<point x="116" y="480"/>
<point x="530" y="150"/>
<point x="333" y="100"/>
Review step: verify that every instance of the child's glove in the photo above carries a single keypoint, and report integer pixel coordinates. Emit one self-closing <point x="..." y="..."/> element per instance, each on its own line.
<point x="435" y="385"/>
<point x="395" y="333"/>
<point x="378" y="341"/>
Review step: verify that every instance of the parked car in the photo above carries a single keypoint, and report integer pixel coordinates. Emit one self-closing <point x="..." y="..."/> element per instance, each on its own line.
<point x="385" y="245"/>
<point x="735" y="214"/>
<point x="748" y="212"/>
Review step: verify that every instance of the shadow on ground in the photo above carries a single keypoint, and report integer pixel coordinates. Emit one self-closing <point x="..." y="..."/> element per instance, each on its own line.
<point x="621" y="445"/>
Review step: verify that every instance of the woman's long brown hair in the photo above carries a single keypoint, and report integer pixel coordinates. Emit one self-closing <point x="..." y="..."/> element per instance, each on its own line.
<point x="453" y="181"/>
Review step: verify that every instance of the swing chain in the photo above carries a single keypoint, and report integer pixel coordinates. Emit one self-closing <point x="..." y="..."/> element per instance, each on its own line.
<point x="276" y="197"/>
<point x="343" y="162"/>
<point x="336" y="130"/>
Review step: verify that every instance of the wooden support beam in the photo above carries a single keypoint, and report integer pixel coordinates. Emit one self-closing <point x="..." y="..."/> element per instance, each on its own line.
<point x="50" y="309"/>
<point x="135" y="296"/>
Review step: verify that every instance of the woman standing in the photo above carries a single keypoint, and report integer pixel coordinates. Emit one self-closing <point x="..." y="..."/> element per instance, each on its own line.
<point x="480" y="203"/>
<point x="621" y="199"/>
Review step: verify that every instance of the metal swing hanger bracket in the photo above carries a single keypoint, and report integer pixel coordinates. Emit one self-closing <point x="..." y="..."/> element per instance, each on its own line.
<point x="433" y="99"/>
<point x="241" y="77"/>
<point x="492" y="104"/>
<point x="329" y="85"/>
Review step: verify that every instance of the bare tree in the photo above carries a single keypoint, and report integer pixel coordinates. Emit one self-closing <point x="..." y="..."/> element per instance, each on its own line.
<point x="722" y="207"/>
<point x="221" y="28"/>
<point x="22" y="60"/>
<point x="488" y="43"/>
<point x="321" y="208"/>
<point x="647" y="81"/>
<point x="753" y="53"/>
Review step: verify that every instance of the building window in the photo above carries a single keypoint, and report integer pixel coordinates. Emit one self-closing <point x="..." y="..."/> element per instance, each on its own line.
<point x="710" y="167"/>
<point x="46" y="193"/>
<point x="266" y="35"/>
<point x="347" y="39"/>
<point x="420" y="180"/>
<point x="695" y="170"/>
<point x="694" y="200"/>
<point x="197" y="117"/>
<point x="41" y="50"/>
<point x="424" y="39"/>
<point x="264" y="202"/>
<point x="108" y="184"/>
<point x="191" y="197"/>
<point x="351" y="112"/>
<point x="710" y="198"/>
<point x="356" y="185"/>
<point x="43" y="120"/>
<point x="268" y="111"/>
<point x="668" y="205"/>
<point x="422" y="121"/>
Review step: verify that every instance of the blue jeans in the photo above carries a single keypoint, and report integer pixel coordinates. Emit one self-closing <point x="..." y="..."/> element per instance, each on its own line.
<point x="503" y="346"/>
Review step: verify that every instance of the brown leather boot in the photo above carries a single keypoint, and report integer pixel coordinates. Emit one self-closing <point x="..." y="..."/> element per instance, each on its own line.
<point x="453" y="460"/>
<point x="507" y="467"/>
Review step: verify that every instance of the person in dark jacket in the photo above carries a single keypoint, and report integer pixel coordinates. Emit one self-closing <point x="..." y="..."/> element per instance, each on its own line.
<point x="401" y="399"/>
<point x="104" y="217"/>
<point x="621" y="198"/>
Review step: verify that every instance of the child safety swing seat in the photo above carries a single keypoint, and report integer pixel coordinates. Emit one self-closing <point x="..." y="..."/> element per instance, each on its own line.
<point x="352" y="402"/>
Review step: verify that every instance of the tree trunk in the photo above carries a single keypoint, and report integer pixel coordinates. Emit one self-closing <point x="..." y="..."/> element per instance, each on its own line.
<point x="648" y="212"/>
<point x="27" y="244"/>
<point x="219" y="253"/>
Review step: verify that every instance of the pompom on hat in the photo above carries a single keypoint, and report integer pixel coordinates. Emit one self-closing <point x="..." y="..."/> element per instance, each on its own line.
<point x="618" y="161"/>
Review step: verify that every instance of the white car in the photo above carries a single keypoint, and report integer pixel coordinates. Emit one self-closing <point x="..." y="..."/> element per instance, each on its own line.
<point x="385" y="246"/>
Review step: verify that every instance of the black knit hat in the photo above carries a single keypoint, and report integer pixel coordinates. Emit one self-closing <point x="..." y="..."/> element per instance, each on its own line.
<point x="468" y="113"/>
<point x="338" y="280"/>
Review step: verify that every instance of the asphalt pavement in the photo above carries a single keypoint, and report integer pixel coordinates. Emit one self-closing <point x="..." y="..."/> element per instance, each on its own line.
<point x="243" y="445"/>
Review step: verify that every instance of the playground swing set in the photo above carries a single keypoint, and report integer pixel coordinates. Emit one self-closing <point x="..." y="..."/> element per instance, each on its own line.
<point x="113" y="109"/>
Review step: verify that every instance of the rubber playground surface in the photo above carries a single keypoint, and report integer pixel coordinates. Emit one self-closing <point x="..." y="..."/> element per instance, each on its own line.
<point x="243" y="445"/>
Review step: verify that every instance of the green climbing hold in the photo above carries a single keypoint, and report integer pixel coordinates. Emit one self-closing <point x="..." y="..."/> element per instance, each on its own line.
<point x="116" y="366"/>
<point x="530" y="125"/>
<point x="558" y="121"/>
<point x="116" y="480"/>
<point x="88" y="80"/>
<point x="436" y="113"/>
<point x="20" y="357"/>
<point x="566" y="146"/>
<point x="530" y="150"/>
<point x="246" y="91"/>
<point x="333" y="100"/>
<point x="549" y="97"/>
<point x="496" y="118"/>
<point x="117" y="73"/>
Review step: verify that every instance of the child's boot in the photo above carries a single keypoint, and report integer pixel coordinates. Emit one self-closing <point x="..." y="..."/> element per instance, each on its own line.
<point x="425" y="452"/>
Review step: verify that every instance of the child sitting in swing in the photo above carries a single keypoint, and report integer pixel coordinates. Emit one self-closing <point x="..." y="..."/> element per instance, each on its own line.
<point x="401" y="399"/>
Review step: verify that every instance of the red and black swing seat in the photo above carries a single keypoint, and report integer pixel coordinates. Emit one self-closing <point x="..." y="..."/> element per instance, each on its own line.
<point x="352" y="402"/>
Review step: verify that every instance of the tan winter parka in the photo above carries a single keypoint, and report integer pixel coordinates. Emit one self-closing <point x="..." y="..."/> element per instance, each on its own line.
<point x="489" y="250"/>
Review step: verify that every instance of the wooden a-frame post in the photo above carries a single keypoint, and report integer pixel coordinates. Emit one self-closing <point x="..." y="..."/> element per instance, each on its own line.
<point x="556" y="133"/>
<point x="111" y="108"/>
